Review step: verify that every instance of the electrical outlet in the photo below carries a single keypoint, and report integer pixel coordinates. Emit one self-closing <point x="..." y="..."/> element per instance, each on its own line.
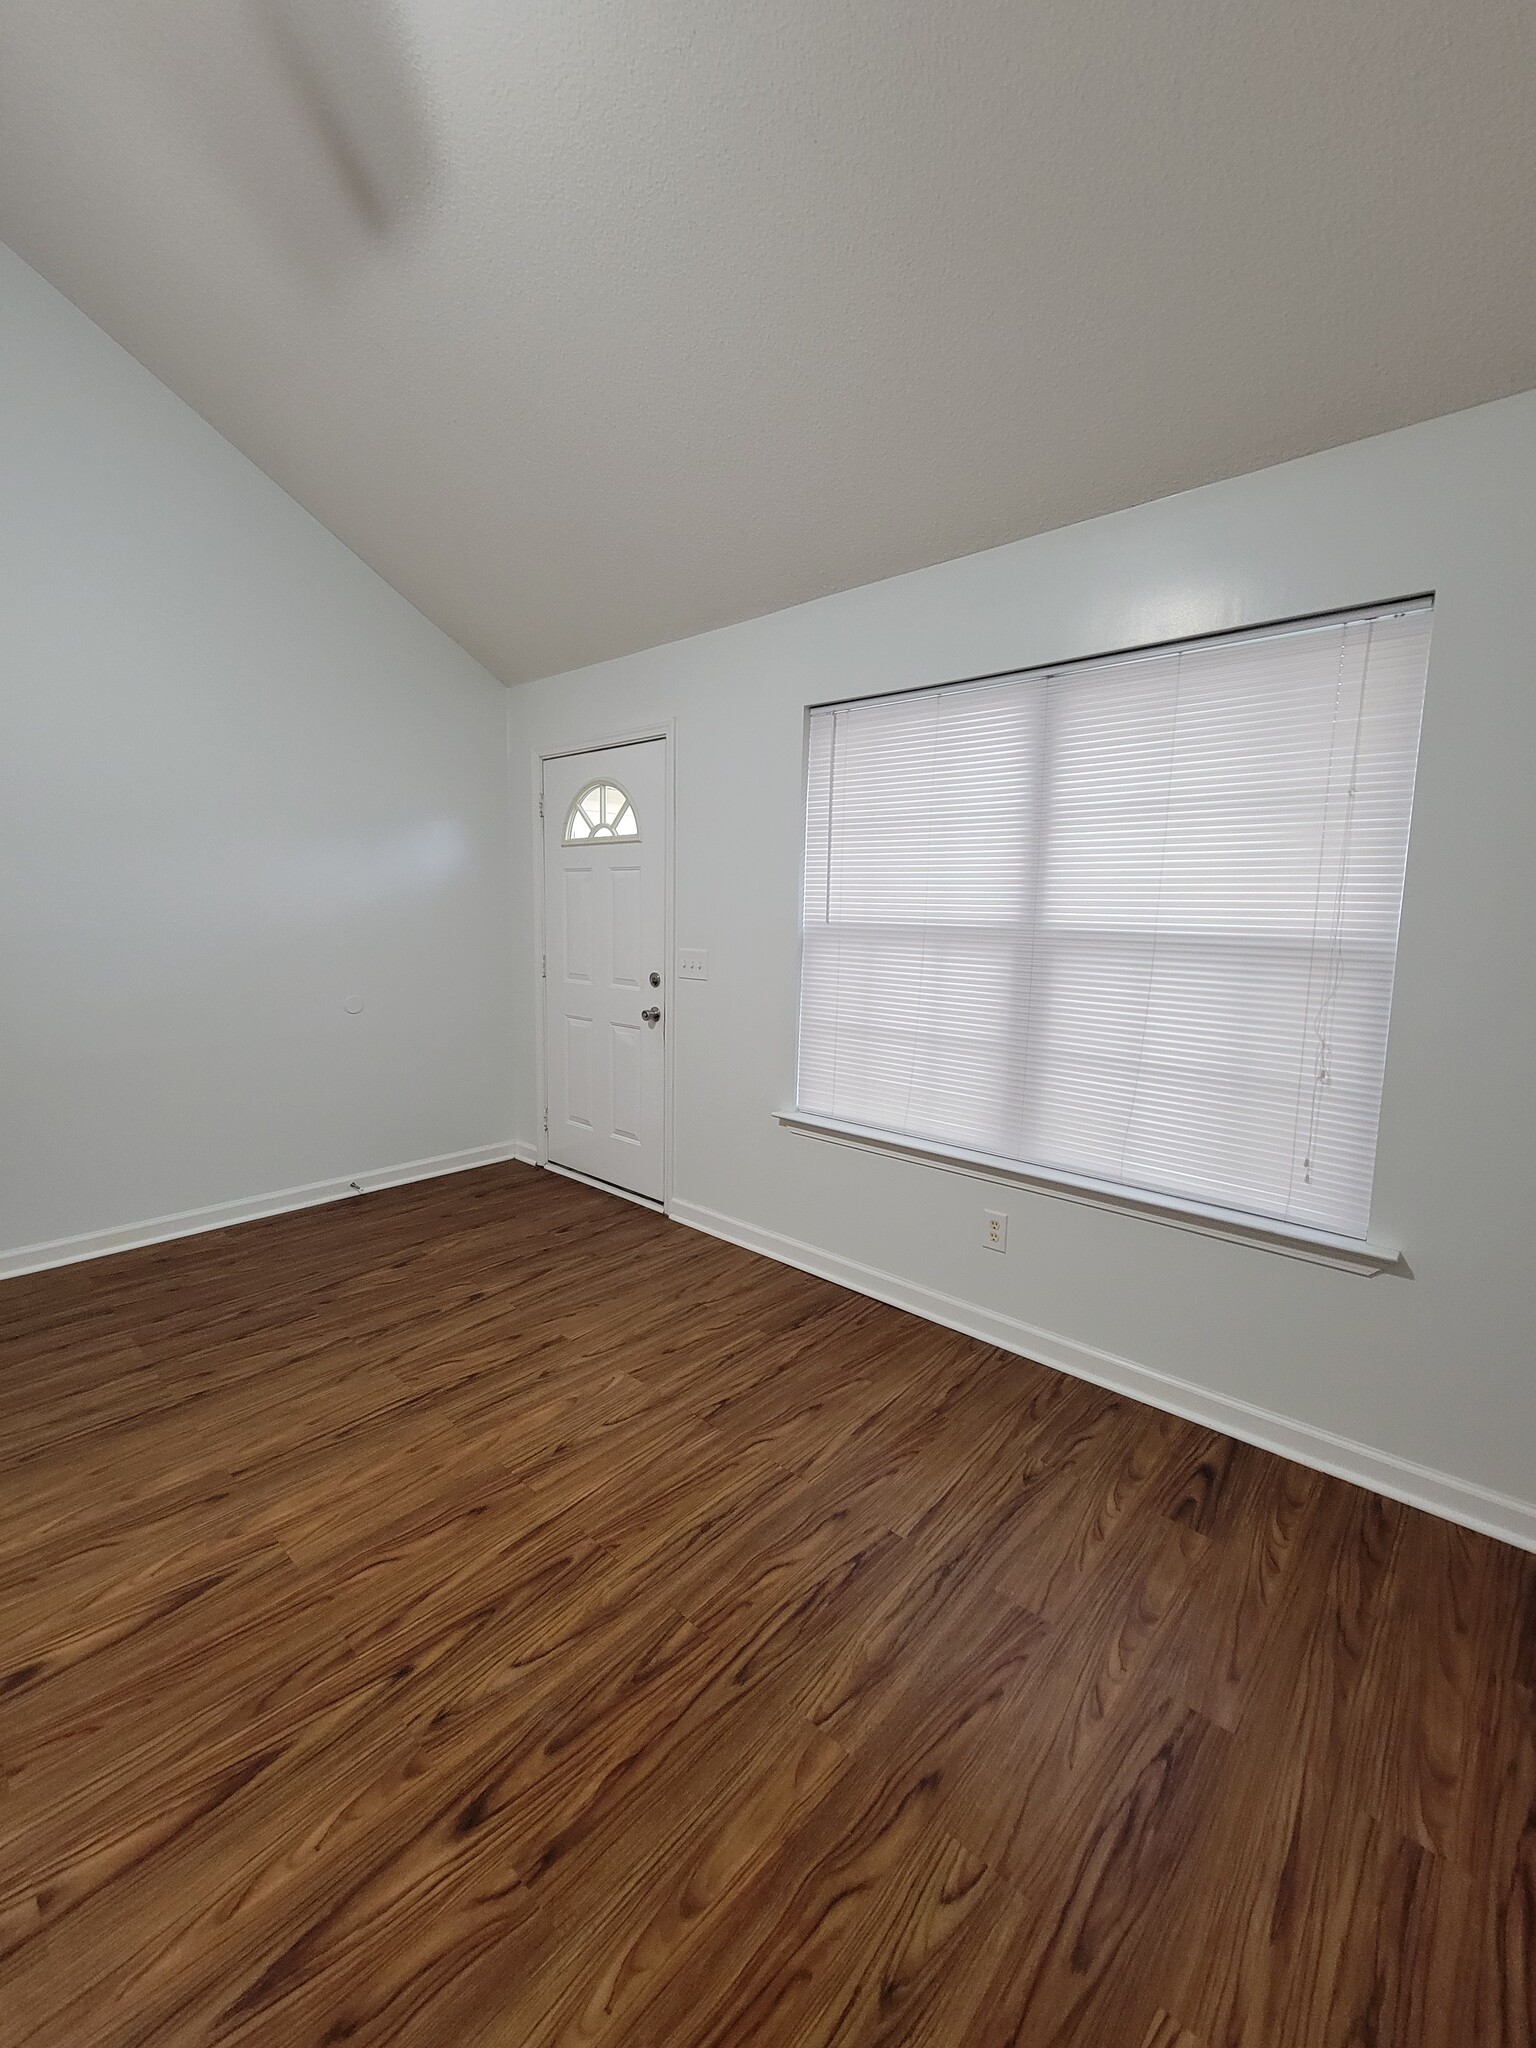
<point x="692" y="964"/>
<point x="994" y="1230"/>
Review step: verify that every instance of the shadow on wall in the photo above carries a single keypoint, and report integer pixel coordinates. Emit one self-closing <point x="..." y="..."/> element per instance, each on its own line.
<point x="317" y="114"/>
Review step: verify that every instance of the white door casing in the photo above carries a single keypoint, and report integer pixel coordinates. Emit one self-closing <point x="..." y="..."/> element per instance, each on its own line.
<point x="604" y="938"/>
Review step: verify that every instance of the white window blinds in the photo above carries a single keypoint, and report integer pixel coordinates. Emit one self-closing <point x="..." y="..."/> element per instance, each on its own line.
<point x="1133" y="920"/>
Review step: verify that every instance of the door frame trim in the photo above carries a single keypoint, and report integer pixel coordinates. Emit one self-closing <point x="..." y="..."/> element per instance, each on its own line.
<point x="666" y="732"/>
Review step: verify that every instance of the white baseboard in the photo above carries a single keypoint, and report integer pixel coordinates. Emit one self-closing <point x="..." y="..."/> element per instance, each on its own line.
<point x="528" y="1154"/>
<point x="1439" y="1493"/>
<point x="97" y="1244"/>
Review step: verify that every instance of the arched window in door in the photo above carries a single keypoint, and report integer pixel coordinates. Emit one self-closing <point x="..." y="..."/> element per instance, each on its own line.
<point x="602" y="811"/>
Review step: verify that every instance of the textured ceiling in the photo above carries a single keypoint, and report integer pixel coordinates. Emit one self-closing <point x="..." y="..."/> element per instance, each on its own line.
<point x="590" y="323"/>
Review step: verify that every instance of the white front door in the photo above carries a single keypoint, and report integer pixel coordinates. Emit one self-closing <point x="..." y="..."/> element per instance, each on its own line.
<point x="605" y="991"/>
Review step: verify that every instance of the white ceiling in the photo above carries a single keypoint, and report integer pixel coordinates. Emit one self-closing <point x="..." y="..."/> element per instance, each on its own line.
<point x="590" y="323"/>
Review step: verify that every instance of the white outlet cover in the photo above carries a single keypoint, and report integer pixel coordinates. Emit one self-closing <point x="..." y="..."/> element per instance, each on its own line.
<point x="692" y="963"/>
<point x="994" y="1230"/>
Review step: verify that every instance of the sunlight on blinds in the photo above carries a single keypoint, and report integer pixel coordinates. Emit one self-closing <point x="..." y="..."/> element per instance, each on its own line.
<point x="1133" y="919"/>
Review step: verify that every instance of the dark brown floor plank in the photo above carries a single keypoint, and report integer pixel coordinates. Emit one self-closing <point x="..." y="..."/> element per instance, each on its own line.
<point x="488" y="1613"/>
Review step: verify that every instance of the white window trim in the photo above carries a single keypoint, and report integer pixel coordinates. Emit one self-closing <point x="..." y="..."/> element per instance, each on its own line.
<point x="1345" y="1254"/>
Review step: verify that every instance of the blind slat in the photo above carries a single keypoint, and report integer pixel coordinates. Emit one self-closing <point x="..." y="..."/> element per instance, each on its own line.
<point x="1135" y="919"/>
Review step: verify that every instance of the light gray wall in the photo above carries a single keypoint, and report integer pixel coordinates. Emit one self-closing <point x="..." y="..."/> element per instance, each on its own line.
<point x="240" y="781"/>
<point x="1423" y="1385"/>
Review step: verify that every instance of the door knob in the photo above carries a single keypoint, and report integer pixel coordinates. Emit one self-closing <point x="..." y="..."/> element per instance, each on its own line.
<point x="651" y="1016"/>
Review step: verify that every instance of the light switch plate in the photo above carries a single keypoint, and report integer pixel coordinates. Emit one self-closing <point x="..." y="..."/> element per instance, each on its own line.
<point x="692" y="963"/>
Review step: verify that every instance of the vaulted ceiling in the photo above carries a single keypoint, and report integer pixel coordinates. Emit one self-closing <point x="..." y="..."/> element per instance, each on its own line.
<point x="591" y="323"/>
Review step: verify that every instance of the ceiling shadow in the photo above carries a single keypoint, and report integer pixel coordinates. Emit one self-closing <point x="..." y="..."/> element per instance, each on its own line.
<point x="314" y="113"/>
<point x="347" y="66"/>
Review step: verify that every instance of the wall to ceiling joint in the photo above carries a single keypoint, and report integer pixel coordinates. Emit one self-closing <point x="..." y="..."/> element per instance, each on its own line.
<point x="589" y="325"/>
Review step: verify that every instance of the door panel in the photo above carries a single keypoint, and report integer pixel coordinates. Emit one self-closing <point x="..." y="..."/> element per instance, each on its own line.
<point x="626" y="921"/>
<point x="605" y="936"/>
<point x="578" y="1071"/>
<point x="624" y="1045"/>
<point x="578" y="924"/>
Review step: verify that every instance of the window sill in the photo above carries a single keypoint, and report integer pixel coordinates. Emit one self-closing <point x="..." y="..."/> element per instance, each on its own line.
<point x="1346" y="1254"/>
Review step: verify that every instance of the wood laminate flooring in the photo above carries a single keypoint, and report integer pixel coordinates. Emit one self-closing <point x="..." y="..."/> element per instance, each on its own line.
<point x="486" y="1613"/>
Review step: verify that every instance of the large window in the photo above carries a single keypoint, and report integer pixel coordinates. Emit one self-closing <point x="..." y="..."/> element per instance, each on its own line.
<point x="1131" y="920"/>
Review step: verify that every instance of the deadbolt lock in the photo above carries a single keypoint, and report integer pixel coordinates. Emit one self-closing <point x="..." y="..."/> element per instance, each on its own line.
<point x="655" y="979"/>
